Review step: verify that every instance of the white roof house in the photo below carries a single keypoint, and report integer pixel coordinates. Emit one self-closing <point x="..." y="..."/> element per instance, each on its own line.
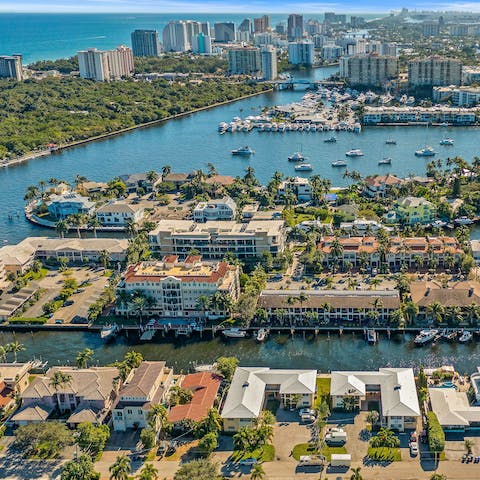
<point x="246" y="393"/>
<point x="452" y="408"/>
<point x="397" y="389"/>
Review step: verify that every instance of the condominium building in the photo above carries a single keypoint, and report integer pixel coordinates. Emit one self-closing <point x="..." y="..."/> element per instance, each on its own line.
<point x="433" y="71"/>
<point x="261" y="24"/>
<point x="145" y="43"/>
<point x="245" y="61"/>
<point x="178" y="34"/>
<point x="104" y="66"/>
<point x="369" y="70"/>
<point x="225" y="32"/>
<point x="214" y="239"/>
<point x="202" y="44"/>
<point x="246" y="26"/>
<point x="221" y="209"/>
<point x="176" y="286"/>
<point x="295" y="29"/>
<point x="431" y="29"/>
<point x="268" y="58"/>
<point x="461" y="96"/>
<point x="11" y="67"/>
<point x="301" y="53"/>
<point x="470" y="75"/>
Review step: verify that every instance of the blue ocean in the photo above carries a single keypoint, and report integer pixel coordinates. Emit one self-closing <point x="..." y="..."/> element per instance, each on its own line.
<point x="49" y="36"/>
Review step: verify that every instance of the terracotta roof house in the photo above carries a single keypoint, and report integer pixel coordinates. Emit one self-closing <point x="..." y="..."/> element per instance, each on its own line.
<point x="204" y="386"/>
<point x="376" y="186"/>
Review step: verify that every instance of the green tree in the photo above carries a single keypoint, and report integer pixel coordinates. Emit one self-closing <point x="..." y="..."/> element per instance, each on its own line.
<point x="208" y="443"/>
<point x="84" y="357"/>
<point x="121" y="469"/>
<point x="356" y="475"/>
<point x="148" y="472"/>
<point x="373" y="417"/>
<point x="148" y="437"/>
<point x="79" y="469"/>
<point x="226" y="367"/>
<point x="158" y="417"/>
<point x="197" y="469"/>
<point x="179" y="396"/>
<point x="15" y="348"/>
<point x="92" y="439"/>
<point x="257" y="472"/>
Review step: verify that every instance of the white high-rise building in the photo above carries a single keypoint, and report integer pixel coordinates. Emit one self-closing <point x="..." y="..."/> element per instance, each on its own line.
<point x="268" y="55"/>
<point x="175" y="37"/>
<point x="244" y="61"/>
<point x="107" y="65"/>
<point x="301" y="53"/>
<point x="369" y="70"/>
<point x="11" y="67"/>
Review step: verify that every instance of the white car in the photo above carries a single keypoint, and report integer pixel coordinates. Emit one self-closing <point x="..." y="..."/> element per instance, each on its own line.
<point x="413" y="449"/>
<point x="307" y="411"/>
<point x="248" y="461"/>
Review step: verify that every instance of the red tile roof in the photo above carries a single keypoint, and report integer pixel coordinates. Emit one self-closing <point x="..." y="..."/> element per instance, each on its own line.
<point x="204" y="386"/>
<point x="5" y="395"/>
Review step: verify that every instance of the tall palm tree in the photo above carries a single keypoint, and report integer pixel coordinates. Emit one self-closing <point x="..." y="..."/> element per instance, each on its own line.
<point x="410" y="309"/>
<point x="139" y="302"/>
<point x="166" y="170"/>
<point x="59" y="380"/>
<point x="77" y="220"/>
<point x="436" y="311"/>
<point x="62" y="228"/>
<point x="203" y="304"/>
<point x="83" y="357"/>
<point x="104" y="258"/>
<point x="121" y="469"/>
<point x="158" y="417"/>
<point x="257" y="472"/>
<point x="356" y="475"/>
<point x="15" y="347"/>
<point x="152" y="176"/>
<point x="130" y="227"/>
<point x="3" y="353"/>
<point x="93" y="223"/>
<point x="149" y="472"/>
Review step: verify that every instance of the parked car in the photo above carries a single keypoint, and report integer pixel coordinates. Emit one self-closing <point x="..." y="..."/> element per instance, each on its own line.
<point x="58" y="321"/>
<point x="67" y="303"/>
<point x="307" y="411"/>
<point x="413" y="437"/>
<point x="336" y="438"/>
<point x="248" y="461"/>
<point x="413" y="449"/>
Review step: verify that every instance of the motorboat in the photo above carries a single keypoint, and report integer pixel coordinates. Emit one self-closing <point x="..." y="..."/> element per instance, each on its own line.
<point x="303" y="167"/>
<point x="234" y="333"/>
<point x="465" y="337"/>
<point x="390" y="142"/>
<point x="463" y="221"/>
<point x="354" y="153"/>
<point x="448" y="336"/>
<point x="109" y="331"/>
<point x="385" y="161"/>
<point x="339" y="163"/>
<point x="439" y="224"/>
<point x="372" y="336"/>
<point x="243" y="151"/>
<point x="262" y="335"/>
<point x="447" y="142"/>
<point x="425" y="152"/>
<point x="296" y="157"/>
<point x="330" y="140"/>
<point x="425" y="336"/>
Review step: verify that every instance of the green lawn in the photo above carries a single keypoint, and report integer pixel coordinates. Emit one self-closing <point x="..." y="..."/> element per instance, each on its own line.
<point x="323" y="386"/>
<point x="385" y="454"/>
<point x="262" y="454"/>
<point x="308" y="449"/>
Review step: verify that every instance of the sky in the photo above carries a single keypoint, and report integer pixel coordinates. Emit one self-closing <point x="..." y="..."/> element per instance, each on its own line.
<point x="231" y="6"/>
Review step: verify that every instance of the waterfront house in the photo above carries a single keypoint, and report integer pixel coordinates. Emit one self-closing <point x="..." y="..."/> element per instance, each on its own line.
<point x="298" y="186"/>
<point x="87" y="396"/>
<point x="362" y="226"/>
<point x="136" y="181"/>
<point x="18" y="258"/>
<point x="220" y="180"/>
<point x="14" y="379"/>
<point x="391" y="390"/>
<point x="214" y="239"/>
<point x="325" y="306"/>
<point x="177" y="179"/>
<point x="378" y="185"/>
<point x="204" y="387"/>
<point x="119" y="213"/>
<point x="147" y="385"/>
<point x="252" y="387"/>
<point x="61" y="206"/>
<point x="92" y="188"/>
<point x="175" y="286"/>
<point x="411" y="211"/>
<point x="221" y="209"/>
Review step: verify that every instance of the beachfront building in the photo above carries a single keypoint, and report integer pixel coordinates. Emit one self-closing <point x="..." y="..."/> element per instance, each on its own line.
<point x="11" y="67"/>
<point x="245" y="61"/>
<point x="88" y="396"/>
<point x="119" y="213"/>
<point x="252" y="387"/>
<point x="205" y="387"/>
<point x="147" y="385"/>
<point x="412" y="211"/>
<point x="178" y="34"/>
<point x="225" y="32"/>
<point x="61" y="206"/>
<point x="221" y="209"/>
<point x="299" y="186"/>
<point x="104" y="66"/>
<point x="393" y="390"/>
<point x="377" y="186"/>
<point x="322" y="307"/>
<point x="202" y="44"/>
<point x="456" y="298"/>
<point x="434" y="71"/>
<point x="214" y="239"/>
<point x="145" y="43"/>
<point x="369" y="70"/>
<point x="409" y="252"/>
<point x="175" y="287"/>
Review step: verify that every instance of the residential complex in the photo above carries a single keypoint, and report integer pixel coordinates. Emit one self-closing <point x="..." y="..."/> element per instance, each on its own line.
<point x="221" y="209"/>
<point x="301" y="53"/>
<point x="61" y="206"/>
<point x="434" y="71"/>
<point x="295" y="28"/>
<point x="11" y="67"/>
<point x="178" y="35"/>
<point x="268" y="57"/>
<point x="460" y="96"/>
<point x="299" y="186"/>
<point x="175" y="287"/>
<point x="369" y="70"/>
<point x="214" y="239"/>
<point x="104" y="66"/>
<point x="245" y="61"/>
<point x="225" y="32"/>
<point x="145" y="43"/>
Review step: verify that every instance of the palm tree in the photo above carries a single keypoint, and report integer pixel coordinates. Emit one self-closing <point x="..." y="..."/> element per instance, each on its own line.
<point x="84" y="357"/>
<point x="93" y="223"/>
<point x="149" y="472"/>
<point x="257" y="472"/>
<point x="356" y="475"/>
<point x="203" y="304"/>
<point x="104" y="258"/>
<point x="436" y="311"/>
<point x="158" y="417"/>
<point x="121" y="468"/>
<point x="130" y="227"/>
<point x="3" y="353"/>
<point x="166" y="170"/>
<point x="139" y="302"/>
<point x="152" y="176"/>
<point x="77" y="220"/>
<point x="62" y="228"/>
<point x="14" y="348"/>
<point x="59" y="380"/>
<point x="410" y="309"/>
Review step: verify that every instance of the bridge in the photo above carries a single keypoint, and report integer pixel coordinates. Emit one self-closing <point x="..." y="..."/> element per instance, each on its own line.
<point x="292" y="83"/>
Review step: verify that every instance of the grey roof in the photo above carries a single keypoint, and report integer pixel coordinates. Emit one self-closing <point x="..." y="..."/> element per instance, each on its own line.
<point x="35" y="413"/>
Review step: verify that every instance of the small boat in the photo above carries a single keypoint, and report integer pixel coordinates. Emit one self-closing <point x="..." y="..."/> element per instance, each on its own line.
<point x="303" y="167"/>
<point x="262" y="335"/>
<point x="448" y="336"/>
<point x="372" y="336"/>
<point x="339" y="163"/>
<point x="385" y="161"/>
<point x="354" y="153"/>
<point x="244" y="151"/>
<point x="234" y="333"/>
<point x="109" y="331"/>
<point x="330" y="140"/>
<point x="463" y="221"/>
<point x="296" y="157"/>
<point x="439" y="224"/>
<point x="465" y="337"/>
<point x="447" y="142"/>
<point x="425" y="152"/>
<point x="425" y="336"/>
<point x="390" y="142"/>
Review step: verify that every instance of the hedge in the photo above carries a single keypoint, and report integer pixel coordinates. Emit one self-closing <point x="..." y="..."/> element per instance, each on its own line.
<point x="384" y="454"/>
<point x="436" y="435"/>
<point x="28" y="321"/>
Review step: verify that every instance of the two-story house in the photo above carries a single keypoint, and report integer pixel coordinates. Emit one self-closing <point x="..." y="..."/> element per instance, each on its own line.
<point x="119" y="213"/>
<point x="411" y="211"/>
<point x="221" y="209"/>
<point x="61" y="206"/>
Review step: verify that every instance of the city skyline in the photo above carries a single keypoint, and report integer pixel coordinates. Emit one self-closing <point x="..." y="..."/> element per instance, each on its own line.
<point x="218" y="6"/>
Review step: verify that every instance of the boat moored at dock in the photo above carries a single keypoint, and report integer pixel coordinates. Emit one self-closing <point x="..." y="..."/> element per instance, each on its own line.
<point x="234" y="333"/>
<point x="425" y="337"/>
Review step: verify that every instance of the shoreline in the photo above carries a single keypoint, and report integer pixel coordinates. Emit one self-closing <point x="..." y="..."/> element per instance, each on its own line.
<point x="76" y="143"/>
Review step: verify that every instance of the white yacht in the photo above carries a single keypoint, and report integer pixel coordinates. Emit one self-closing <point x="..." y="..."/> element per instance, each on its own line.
<point x="262" y="335"/>
<point x="244" y="151"/>
<point x="425" y="336"/>
<point x="427" y="151"/>
<point x="385" y="161"/>
<point x="465" y="337"/>
<point x="447" y="142"/>
<point x="234" y="333"/>
<point x="330" y="140"/>
<point x="339" y="163"/>
<point x="390" y="141"/>
<point x="296" y="157"/>
<point x="463" y="221"/>
<point x="354" y="153"/>
<point x="109" y="331"/>
<point x="303" y="167"/>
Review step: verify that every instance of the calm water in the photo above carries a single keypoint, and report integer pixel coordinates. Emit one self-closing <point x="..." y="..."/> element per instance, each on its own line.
<point x="346" y="352"/>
